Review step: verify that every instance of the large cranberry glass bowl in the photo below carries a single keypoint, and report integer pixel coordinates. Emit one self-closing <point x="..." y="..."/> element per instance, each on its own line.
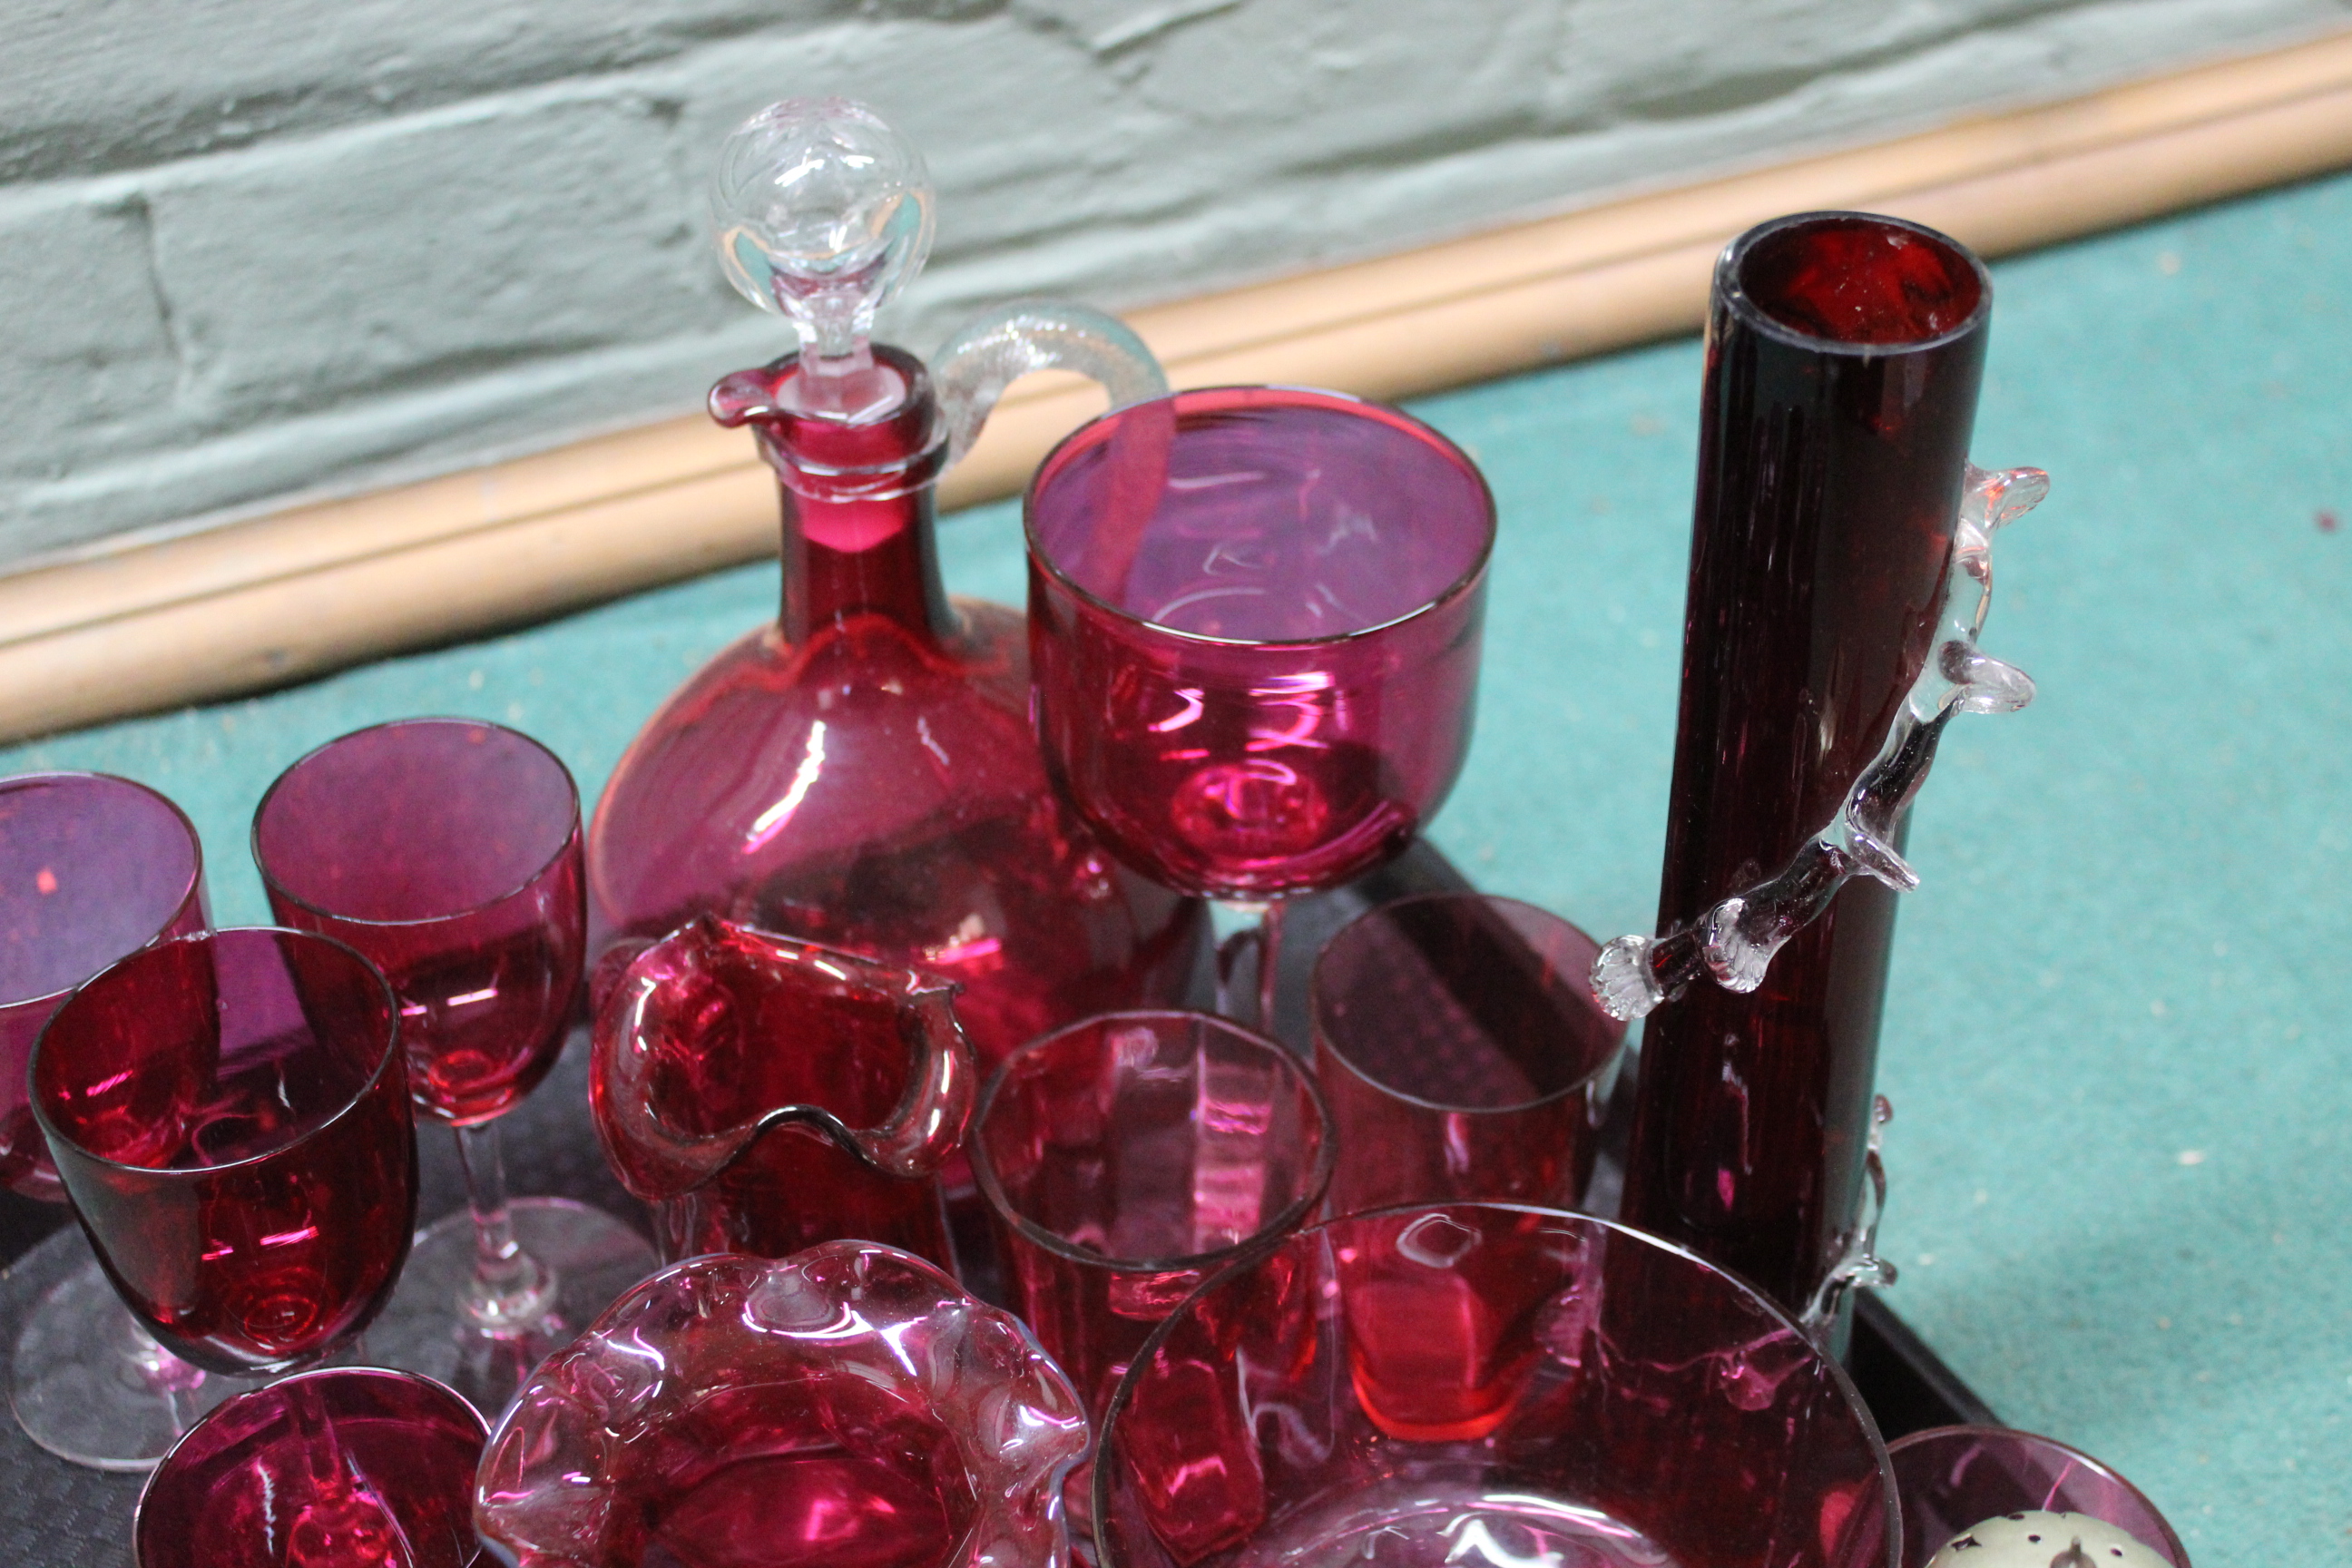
<point x="849" y="1404"/>
<point x="1470" y="1383"/>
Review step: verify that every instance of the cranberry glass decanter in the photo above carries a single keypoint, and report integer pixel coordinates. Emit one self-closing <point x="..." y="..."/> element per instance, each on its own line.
<point x="863" y="772"/>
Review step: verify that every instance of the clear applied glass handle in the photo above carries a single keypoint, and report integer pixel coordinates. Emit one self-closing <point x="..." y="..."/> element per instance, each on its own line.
<point x="997" y="349"/>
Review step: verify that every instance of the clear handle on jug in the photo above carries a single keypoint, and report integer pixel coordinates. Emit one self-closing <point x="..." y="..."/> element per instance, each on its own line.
<point x="824" y="216"/>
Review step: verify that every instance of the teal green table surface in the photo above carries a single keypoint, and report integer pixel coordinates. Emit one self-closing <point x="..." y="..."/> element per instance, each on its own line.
<point x="2122" y="1173"/>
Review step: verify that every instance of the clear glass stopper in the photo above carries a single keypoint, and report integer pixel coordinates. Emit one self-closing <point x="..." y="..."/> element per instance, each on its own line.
<point x="824" y="214"/>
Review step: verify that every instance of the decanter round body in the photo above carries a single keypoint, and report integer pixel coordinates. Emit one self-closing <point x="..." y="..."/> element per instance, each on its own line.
<point x="863" y="772"/>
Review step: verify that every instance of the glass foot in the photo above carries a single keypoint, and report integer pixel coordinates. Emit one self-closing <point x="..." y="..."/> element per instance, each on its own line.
<point x="593" y="1256"/>
<point x="88" y="1385"/>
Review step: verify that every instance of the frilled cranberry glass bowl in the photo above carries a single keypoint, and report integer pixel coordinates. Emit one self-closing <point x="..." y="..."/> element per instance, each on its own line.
<point x="848" y="1406"/>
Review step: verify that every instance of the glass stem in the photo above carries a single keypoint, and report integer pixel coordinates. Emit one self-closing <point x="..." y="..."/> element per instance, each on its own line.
<point x="509" y="1291"/>
<point x="338" y="1518"/>
<point x="170" y="1379"/>
<point x="1251" y="949"/>
<point x="1269" y="964"/>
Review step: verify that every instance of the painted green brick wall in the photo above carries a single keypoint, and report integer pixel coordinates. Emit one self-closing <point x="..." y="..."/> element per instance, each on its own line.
<point x="252" y="248"/>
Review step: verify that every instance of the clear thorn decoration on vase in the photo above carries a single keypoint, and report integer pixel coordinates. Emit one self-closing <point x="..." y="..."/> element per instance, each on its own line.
<point x="1733" y="941"/>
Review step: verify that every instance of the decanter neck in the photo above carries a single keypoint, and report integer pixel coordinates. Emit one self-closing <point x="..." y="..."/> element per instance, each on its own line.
<point x="856" y="457"/>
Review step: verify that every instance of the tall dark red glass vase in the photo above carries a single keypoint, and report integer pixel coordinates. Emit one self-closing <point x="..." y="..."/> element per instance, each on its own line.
<point x="1845" y="353"/>
<point x="862" y="773"/>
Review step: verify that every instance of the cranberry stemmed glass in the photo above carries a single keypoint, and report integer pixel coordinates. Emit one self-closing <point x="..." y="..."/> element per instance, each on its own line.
<point x="229" y="1115"/>
<point x="91" y="868"/>
<point x="1254" y="619"/>
<point x="447" y="851"/>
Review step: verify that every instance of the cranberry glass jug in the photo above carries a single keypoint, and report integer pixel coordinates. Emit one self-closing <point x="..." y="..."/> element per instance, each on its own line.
<point x="863" y="772"/>
<point x="765" y="1095"/>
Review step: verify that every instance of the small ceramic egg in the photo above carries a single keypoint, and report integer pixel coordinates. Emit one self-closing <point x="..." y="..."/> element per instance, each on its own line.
<point x="2046" y="1540"/>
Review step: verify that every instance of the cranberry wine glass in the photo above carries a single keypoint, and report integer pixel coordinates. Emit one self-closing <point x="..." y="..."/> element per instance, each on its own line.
<point x="91" y="868"/>
<point x="1484" y="1384"/>
<point x="1255" y="617"/>
<point x="447" y="851"/>
<point x="342" y="1467"/>
<point x="229" y="1114"/>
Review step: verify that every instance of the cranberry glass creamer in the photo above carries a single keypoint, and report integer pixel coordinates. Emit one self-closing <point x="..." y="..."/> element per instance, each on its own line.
<point x="765" y="1095"/>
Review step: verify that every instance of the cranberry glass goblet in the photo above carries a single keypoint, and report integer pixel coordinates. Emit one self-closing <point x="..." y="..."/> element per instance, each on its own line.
<point x="342" y="1467"/>
<point x="848" y="1406"/>
<point x="1255" y="618"/>
<point x="1951" y="1478"/>
<point x="91" y="868"/>
<point x="1461" y="1052"/>
<point x="1475" y="1383"/>
<point x="447" y="851"/>
<point x="229" y="1114"/>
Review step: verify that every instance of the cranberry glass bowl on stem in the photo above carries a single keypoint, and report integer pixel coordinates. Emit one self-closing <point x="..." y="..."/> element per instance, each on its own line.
<point x="1254" y="622"/>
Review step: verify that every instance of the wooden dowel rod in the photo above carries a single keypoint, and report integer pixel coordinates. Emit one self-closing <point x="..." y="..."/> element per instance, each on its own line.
<point x="313" y="588"/>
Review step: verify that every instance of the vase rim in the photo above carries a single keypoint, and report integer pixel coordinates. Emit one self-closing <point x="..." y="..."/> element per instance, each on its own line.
<point x="1731" y="293"/>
